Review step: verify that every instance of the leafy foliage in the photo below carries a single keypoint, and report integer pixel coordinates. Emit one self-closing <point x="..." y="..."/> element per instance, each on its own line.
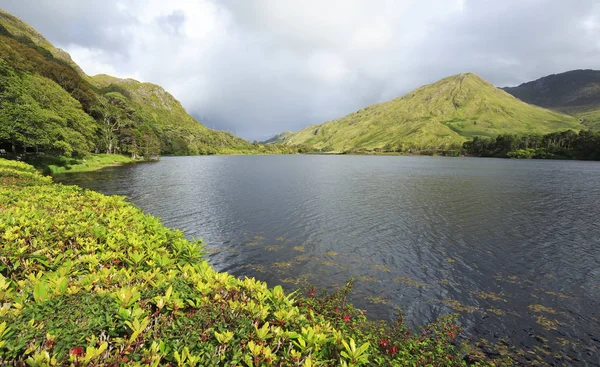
<point x="36" y="113"/>
<point x="434" y="118"/>
<point x="88" y="279"/>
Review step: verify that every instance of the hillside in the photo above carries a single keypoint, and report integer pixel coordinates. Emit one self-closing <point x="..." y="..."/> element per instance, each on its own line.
<point x="48" y="104"/>
<point x="159" y="111"/>
<point x="575" y="92"/>
<point x="278" y="139"/>
<point x="21" y="30"/>
<point x="438" y="116"/>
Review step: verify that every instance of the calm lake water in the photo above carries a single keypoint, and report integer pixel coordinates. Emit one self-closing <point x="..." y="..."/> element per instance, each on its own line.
<point x="514" y="246"/>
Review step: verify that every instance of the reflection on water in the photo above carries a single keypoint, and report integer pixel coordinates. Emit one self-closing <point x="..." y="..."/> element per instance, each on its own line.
<point x="511" y="245"/>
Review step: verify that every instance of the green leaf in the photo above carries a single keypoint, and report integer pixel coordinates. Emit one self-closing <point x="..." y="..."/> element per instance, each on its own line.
<point x="40" y="292"/>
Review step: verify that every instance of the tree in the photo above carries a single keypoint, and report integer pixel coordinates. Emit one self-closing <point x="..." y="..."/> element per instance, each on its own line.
<point x="36" y="113"/>
<point x="113" y="115"/>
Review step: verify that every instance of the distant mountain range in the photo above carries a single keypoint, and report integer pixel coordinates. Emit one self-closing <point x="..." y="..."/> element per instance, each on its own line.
<point x="576" y="93"/>
<point x="438" y="116"/>
<point x="47" y="103"/>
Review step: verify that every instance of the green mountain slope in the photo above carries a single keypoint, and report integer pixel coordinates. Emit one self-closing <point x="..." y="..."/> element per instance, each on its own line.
<point x="575" y="92"/>
<point x="21" y="30"/>
<point x="439" y="116"/>
<point x="278" y="139"/>
<point x="111" y="115"/>
<point x="159" y="112"/>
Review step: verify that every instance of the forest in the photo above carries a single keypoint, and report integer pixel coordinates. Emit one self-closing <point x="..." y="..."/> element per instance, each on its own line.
<point x="568" y="144"/>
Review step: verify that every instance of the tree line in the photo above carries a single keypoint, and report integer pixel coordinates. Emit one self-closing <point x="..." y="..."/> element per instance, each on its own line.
<point x="560" y="145"/>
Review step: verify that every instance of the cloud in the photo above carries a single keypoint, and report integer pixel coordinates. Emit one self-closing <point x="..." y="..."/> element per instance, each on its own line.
<point x="259" y="67"/>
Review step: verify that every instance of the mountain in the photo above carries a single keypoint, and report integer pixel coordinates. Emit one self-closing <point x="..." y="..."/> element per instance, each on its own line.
<point x="278" y="139"/>
<point x="16" y="28"/>
<point x="438" y="116"/>
<point x="48" y="104"/>
<point x="160" y="112"/>
<point x="575" y="92"/>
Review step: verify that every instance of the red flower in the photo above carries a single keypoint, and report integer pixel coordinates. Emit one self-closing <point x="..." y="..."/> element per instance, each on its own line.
<point x="393" y="350"/>
<point x="76" y="351"/>
<point x="312" y="292"/>
<point x="347" y="318"/>
<point x="383" y="342"/>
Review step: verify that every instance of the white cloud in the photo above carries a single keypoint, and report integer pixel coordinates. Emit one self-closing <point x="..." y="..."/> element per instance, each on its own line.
<point x="96" y="61"/>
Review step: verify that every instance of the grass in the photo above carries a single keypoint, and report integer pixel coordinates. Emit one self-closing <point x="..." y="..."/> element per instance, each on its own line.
<point x="588" y="115"/>
<point x="90" y="280"/>
<point x="439" y="116"/>
<point x="59" y="165"/>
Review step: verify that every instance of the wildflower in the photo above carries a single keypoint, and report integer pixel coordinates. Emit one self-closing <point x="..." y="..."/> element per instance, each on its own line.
<point x="76" y="351"/>
<point x="347" y="318"/>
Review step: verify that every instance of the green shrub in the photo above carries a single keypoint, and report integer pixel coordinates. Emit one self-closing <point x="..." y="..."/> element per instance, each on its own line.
<point x="522" y="153"/>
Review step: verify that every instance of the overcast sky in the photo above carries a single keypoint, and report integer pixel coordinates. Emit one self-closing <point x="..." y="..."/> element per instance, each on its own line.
<point x="259" y="67"/>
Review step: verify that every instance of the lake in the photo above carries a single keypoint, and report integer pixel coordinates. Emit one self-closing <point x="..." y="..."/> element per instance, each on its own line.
<point x="512" y="245"/>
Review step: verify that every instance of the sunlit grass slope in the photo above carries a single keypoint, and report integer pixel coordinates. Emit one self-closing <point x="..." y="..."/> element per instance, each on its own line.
<point x="438" y="116"/>
<point x="590" y="117"/>
<point x="90" y="280"/>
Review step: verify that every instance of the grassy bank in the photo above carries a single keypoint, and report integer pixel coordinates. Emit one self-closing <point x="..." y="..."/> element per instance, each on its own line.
<point x="88" y="279"/>
<point x="54" y="165"/>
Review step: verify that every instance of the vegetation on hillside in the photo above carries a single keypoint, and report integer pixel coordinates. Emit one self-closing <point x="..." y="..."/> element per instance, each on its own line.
<point x="433" y="118"/>
<point x="589" y="116"/>
<point x="100" y="283"/>
<point x="157" y="118"/>
<point x="563" y="145"/>
<point x="49" y="105"/>
<point x="37" y="114"/>
<point x="278" y="139"/>
<point x="575" y="92"/>
<point x="27" y="33"/>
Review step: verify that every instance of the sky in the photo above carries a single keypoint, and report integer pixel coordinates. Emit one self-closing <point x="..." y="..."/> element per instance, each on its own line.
<point x="260" y="67"/>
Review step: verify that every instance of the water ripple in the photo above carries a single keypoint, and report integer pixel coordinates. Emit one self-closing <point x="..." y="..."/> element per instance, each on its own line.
<point x="511" y="245"/>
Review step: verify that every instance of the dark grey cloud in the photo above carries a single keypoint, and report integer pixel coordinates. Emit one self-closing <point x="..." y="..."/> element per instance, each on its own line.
<point x="259" y="67"/>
